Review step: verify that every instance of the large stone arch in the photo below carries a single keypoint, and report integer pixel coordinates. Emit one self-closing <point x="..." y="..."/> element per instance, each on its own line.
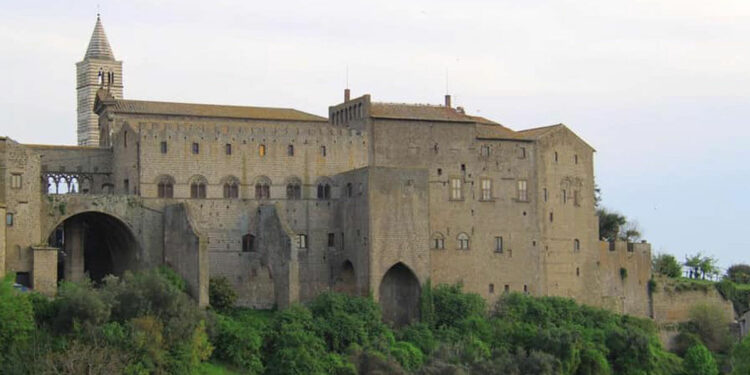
<point x="399" y="295"/>
<point x="94" y="243"/>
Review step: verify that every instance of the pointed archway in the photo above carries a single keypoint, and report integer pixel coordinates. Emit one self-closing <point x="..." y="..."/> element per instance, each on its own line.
<point x="399" y="295"/>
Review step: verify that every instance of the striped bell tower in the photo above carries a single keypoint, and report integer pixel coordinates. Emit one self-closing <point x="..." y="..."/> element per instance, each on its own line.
<point x="99" y="69"/>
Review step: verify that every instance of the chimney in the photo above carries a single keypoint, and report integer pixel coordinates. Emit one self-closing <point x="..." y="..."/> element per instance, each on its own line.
<point x="347" y="95"/>
<point x="448" y="101"/>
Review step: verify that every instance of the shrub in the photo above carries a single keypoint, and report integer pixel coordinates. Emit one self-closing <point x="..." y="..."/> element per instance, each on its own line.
<point x="451" y="305"/>
<point x="710" y="324"/>
<point x="80" y="304"/>
<point x="293" y="347"/>
<point x="343" y="320"/>
<point x="221" y="295"/>
<point x="420" y="335"/>
<point x="238" y="344"/>
<point x="16" y="317"/>
<point x="173" y="278"/>
<point x="667" y="265"/>
<point x="408" y="355"/>
<point x="699" y="361"/>
<point x="741" y="357"/>
<point x="739" y="273"/>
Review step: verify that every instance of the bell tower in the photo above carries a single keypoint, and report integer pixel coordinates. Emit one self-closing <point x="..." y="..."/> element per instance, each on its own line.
<point x="99" y="69"/>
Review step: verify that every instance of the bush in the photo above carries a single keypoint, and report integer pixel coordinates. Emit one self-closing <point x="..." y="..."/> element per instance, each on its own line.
<point x="667" y="265"/>
<point x="699" y="361"/>
<point x="420" y="335"/>
<point x="408" y="355"/>
<point x="221" y="295"/>
<point x="173" y="278"/>
<point x="739" y="273"/>
<point x="741" y="357"/>
<point x="709" y="323"/>
<point x="342" y="320"/>
<point x="80" y="304"/>
<point x="293" y="347"/>
<point x="239" y="344"/>
<point x="451" y="305"/>
<point x="16" y="317"/>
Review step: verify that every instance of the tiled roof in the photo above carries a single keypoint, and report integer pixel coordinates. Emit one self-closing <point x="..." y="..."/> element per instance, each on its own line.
<point x="535" y="133"/>
<point x="99" y="45"/>
<point x="210" y="110"/>
<point x="497" y="131"/>
<point x="421" y="112"/>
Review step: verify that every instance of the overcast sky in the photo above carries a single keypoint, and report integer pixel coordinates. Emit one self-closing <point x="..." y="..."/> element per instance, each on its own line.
<point x="661" y="89"/>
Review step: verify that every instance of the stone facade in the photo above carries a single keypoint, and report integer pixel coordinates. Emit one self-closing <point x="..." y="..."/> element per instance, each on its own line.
<point x="376" y="199"/>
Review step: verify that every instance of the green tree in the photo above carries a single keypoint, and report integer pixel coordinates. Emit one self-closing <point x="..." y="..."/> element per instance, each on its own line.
<point x="221" y="295"/>
<point x="709" y="322"/>
<point x="739" y="273"/>
<point x="16" y="317"/>
<point x="630" y="231"/>
<point x="741" y="358"/>
<point x="609" y="224"/>
<point x="667" y="265"/>
<point x="708" y="267"/>
<point x="693" y="262"/>
<point x="699" y="361"/>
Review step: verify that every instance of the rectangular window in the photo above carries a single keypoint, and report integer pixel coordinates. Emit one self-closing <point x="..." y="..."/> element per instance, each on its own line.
<point x="486" y="189"/>
<point x="575" y="158"/>
<point x="302" y="241"/>
<point x="564" y="196"/>
<point x="492" y="288"/>
<point x="196" y="148"/>
<point x="9" y="219"/>
<point x="125" y="139"/>
<point x="551" y="217"/>
<point x="485" y="151"/>
<point x="331" y="240"/>
<point x="507" y="288"/>
<point x="290" y="150"/>
<point x="498" y="244"/>
<point x="16" y="181"/>
<point x="456" y="189"/>
<point x="163" y="147"/>
<point x="522" y="193"/>
<point x="228" y="149"/>
<point x="323" y="151"/>
<point x="575" y="198"/>
<point x="522" y="153"/>
<point x="126" y="186"/>
<point x="545" y="194"/>
<point x="262" y="150"/>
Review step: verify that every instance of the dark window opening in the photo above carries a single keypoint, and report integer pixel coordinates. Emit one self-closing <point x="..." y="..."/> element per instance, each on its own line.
<point x="125" y="139"/>
<point x="492" y="288"/>
<point x="498" y="244"/>
<point x="331" y="240"/>
<point x="228" y="149"/>
<point x="324" y="191"/>
<point x="576" y="245"/>
<point x="248" y="243"/>
<point x="198" y="190"/>
<point x="323" y="151"/>
<point x="231" y="190"/>
<point x="163" y="147"/>
<point x="196" y="148"/>
<point x="290" y="150"/>
<point x="507" y="288"/>
<point x="349" y="190"/>
<point x="439" y="171"/>
<point x="126" y="186"/>
<point x="9" y="219"/>
<point x="23" y="278"/>
<point x="262" y="191"/>
<point x="293" y="191"/>
<point x="165" y="189"/>
<point x="551" y="217"/>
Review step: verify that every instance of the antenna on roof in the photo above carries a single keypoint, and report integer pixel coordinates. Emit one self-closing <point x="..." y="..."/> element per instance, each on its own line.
<point x="98" y="10"/>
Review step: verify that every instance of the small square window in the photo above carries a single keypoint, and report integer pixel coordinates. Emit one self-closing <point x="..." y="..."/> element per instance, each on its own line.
<point x="9" y="219"/>
<point x="228" y="149"/>
<point x="196" y="148"/>
<point x="163" y="147"/>
<point x="16" y="181"/>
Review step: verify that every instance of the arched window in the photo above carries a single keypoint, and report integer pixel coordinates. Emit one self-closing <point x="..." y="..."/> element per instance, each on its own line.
<point x="263" y="188"/>
<point x="463" y="241"/>
<point x="324" y="189"/>
<point x="248" y="243"/>
<point x="576" y="245"/>
<point x="165" y="186"/>
<point x="231" y="187"/>
<point x="262" y="150"/>
<point x="293" y="189"/>
<point x="438" y="241"/>
<point x="198" y="187"/>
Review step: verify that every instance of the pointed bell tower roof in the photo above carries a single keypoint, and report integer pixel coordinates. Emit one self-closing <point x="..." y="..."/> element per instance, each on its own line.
<point x="99" y="45"/>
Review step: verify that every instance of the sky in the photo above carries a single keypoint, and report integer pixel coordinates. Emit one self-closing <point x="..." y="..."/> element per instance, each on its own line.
<point x="661" y="89"/>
